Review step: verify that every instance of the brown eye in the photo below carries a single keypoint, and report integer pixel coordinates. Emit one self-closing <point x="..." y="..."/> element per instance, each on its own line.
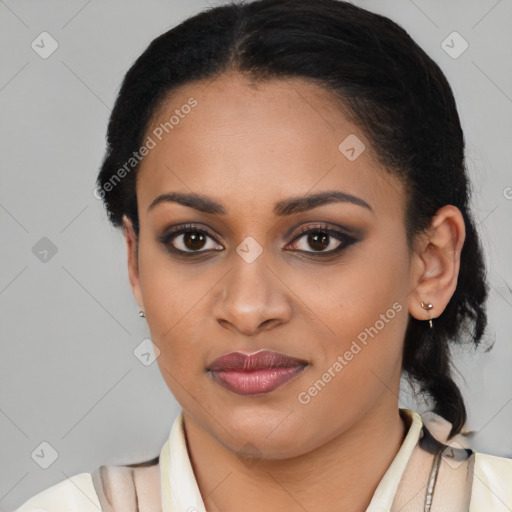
<point x="194" y="240"/>
<point x="189" y="239"/>
<point x="322" y="240"/>
<point x="318" y="241"/>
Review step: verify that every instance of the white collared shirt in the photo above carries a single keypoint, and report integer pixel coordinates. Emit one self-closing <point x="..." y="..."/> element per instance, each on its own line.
<point x="491" y="489"/>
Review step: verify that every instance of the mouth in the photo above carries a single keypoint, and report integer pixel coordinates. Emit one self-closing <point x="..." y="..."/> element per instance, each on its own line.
<point x="258" y="373"/>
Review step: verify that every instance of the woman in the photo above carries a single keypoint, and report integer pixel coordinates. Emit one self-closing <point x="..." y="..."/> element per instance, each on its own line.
<point x="289" y="176"/>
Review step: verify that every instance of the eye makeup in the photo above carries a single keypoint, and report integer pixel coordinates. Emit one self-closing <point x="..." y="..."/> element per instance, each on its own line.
<point x="193" y="236"/>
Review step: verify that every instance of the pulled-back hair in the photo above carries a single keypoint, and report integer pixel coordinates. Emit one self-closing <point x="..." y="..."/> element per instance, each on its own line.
<point x="388" y="86"/>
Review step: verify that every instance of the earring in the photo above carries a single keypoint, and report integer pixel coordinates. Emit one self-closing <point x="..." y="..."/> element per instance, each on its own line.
<point x="142" y="314"/>
<point x="428" y="307"/>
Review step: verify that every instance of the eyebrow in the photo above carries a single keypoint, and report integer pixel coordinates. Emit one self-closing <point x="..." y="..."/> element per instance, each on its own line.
<point x="282" y="208"/>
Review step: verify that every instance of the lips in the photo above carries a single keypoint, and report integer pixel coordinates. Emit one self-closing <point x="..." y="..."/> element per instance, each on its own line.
<point x="263" y="360"/>
<point x="261" y="372"/>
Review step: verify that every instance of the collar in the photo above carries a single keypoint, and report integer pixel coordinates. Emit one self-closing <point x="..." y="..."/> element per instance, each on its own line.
<point x="180" y="492"/>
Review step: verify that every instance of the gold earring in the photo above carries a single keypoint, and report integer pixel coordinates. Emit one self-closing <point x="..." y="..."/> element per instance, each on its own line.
<point x="428" y="307"/>
<point x="142" y="314"/>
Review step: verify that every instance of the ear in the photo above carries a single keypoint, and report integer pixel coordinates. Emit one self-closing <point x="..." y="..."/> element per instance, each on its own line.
<point x="436" y="263"/>
<point x="132" y="255"/>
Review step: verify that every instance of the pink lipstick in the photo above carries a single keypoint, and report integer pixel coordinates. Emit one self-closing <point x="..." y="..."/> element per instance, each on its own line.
<point x="251" y="374"/>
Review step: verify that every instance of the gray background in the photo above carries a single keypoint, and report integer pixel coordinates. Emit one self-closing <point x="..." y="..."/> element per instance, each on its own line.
<point x="69" y="325"/>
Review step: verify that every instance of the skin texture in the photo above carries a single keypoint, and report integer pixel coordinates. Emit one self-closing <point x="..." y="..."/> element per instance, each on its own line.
<point x="249" y="146"/>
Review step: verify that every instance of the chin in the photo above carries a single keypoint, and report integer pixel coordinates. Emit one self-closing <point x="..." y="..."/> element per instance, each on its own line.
<point x="264" y="434"/>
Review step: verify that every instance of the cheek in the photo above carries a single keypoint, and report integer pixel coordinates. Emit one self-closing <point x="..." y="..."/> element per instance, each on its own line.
<point x="364" y="305"/>
<point x="351" y="295"/>
<point x="170" y="289"/>
<point x="173" y="298"/>
<point x="362" y="365"/>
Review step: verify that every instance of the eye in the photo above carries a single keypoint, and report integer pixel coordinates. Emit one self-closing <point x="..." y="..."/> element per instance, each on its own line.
<point x="189" y="239"/>
<point x="320" y="238"/>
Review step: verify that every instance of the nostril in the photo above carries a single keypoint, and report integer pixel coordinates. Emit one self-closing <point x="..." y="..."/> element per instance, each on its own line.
<point x="267" y="324"/>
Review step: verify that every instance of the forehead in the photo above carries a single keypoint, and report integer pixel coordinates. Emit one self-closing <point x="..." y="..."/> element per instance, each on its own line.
<point x="249" y="145"/>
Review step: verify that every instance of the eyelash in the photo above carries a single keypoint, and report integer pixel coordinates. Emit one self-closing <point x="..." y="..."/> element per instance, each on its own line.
<point x="344" y="239"/>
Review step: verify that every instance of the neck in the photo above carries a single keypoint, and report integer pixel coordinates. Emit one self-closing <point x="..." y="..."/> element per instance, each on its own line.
<point x="342" y="474"/>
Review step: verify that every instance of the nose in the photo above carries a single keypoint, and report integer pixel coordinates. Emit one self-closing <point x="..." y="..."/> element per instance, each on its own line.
<point x="252" y="298"/>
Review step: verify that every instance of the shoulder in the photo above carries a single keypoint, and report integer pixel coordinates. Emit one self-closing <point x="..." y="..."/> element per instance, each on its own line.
<point x="75" y="494"/>
<point x="129" y="488"/>
<point x="492" y="483"/>
<point x="481" y="482"/>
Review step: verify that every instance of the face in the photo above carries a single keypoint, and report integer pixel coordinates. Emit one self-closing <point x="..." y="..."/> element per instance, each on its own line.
<point x="256" y="266"/>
